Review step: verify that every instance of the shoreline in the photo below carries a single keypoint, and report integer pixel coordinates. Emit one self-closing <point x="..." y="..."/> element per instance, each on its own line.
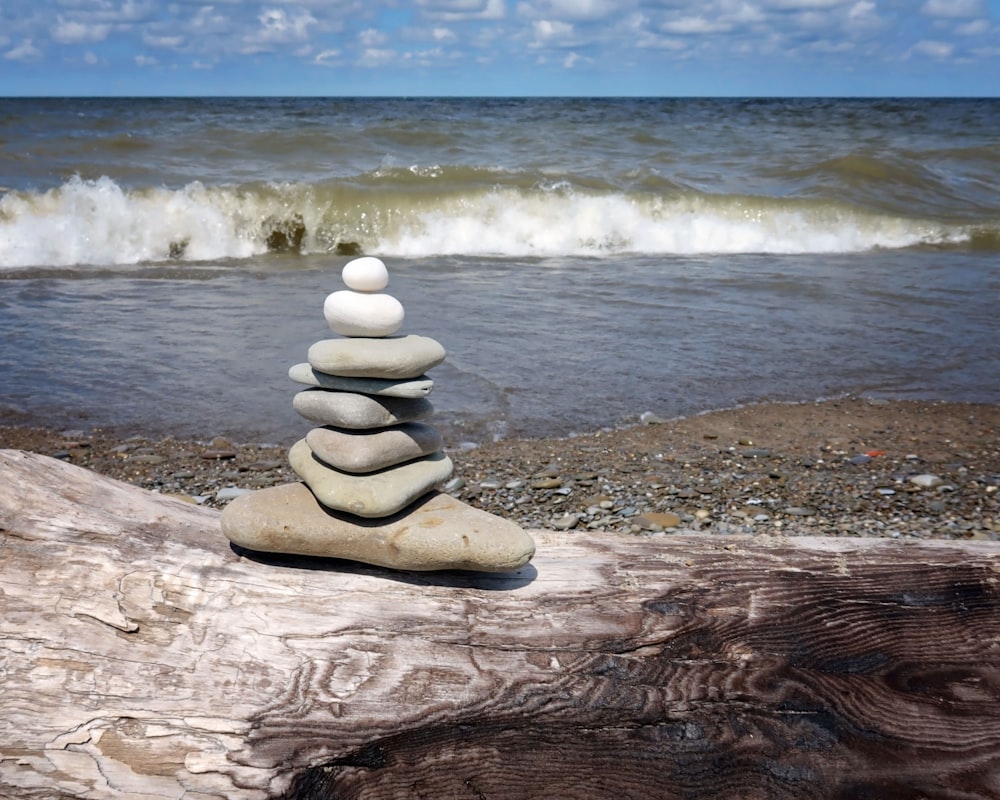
<point x="838" y="467"/>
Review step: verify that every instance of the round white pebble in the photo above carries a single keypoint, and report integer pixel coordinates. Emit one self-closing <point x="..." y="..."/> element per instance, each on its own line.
<point x="367" y="274"/>
<point x="362" y="313"/>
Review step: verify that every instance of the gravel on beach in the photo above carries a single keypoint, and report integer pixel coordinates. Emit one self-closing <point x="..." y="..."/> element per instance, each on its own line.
<point x="845" y="467"/>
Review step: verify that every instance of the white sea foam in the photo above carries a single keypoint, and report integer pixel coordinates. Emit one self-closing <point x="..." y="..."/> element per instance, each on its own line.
<point x="508" y="224"/>
<point x="98" y="222"/>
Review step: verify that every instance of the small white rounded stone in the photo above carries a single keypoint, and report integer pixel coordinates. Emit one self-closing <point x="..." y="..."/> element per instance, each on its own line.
<point x="352" y="313"/>
<point x="366" y="274"/>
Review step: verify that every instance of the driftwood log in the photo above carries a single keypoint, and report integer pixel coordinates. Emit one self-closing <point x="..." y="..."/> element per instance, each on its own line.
<point x="143" y="657"/>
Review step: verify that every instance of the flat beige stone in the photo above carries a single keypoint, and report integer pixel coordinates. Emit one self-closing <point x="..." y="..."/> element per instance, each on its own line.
<point x="375" y="494"/>
<point x="383" y="387"/>
<point x="370" y="450"/>
<point x="359" y="411"/>
<point x="394" y="357"/>
<point x="438" y="532"/>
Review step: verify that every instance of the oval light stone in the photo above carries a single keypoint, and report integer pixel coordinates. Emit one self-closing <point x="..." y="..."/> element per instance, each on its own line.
<point x="397" y="358"/>
<point x="365" y="274"/>
<point x="351" y="313"/>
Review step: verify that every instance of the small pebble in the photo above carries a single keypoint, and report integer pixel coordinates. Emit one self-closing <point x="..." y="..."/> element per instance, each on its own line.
<point x="231" y="493"/>
<point x="799" y="511"/>
<point x="566" y="522"/>
<point x="218" y="455"/>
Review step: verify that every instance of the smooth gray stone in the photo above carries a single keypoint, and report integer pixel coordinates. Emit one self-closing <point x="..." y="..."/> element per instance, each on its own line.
<point x="375" y="494"/>
<point x="420" y="387"/>
<point x="359" y="411"/>
<point x="393" y="357"/>
<point x="367" y="451"/>
<point x="437" y="532"/>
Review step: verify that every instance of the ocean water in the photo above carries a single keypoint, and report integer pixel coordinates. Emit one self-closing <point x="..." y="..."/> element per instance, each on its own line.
<point x="164" y="261"/>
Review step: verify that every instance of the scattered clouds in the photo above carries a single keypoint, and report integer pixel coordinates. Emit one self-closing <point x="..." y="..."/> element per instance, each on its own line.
<point x="628" y="41"/>
<point x="277" y="27"/>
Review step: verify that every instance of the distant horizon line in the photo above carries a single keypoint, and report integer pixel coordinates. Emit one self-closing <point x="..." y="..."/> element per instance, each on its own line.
<point x="240" y="96"/>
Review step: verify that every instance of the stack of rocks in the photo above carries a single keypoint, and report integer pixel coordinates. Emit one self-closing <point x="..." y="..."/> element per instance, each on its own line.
<point x="370" y="471"/>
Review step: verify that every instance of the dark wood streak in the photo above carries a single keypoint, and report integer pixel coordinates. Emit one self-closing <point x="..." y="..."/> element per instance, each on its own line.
<point x="143" y="656"/>
<point x="771" y="683"/>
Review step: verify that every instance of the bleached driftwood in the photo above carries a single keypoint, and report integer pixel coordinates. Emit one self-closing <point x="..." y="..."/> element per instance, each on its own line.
<point x="142" y="657"/>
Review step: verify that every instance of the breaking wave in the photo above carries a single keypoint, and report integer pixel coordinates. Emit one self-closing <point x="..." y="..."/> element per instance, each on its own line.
<point x="410" y="212"/>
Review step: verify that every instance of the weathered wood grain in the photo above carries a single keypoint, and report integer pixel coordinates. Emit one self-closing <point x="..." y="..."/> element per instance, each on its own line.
<point x="142" y="657"/>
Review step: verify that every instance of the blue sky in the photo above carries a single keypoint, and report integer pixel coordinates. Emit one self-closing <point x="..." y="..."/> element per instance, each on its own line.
<point x="500" y="47"/>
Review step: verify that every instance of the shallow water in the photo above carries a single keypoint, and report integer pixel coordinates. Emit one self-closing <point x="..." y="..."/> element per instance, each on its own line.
<point x="556" y="346"/>
<point x="582" y="262"/>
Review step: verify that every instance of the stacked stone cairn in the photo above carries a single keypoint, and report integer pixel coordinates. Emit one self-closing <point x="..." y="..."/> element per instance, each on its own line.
<point x="370" y="471"/>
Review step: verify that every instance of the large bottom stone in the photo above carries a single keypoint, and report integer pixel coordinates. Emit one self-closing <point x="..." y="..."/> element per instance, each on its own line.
<point x="437" y="532"/>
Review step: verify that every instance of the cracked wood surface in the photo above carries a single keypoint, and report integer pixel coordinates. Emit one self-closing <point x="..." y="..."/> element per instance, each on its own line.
<point x="142" y="657"/>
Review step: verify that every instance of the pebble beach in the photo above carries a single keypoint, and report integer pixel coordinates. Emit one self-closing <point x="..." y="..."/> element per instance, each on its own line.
<point x="848" y="467"/>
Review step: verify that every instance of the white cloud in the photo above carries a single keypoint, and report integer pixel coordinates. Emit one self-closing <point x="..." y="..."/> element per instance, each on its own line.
<point x="825" y="46"/>
<point x="572" y="9"/>
<point x="862" y="10"/>
<point x="443" y="35"/>
<point x="281" y="26"/>
<point x="168" y="42"/>
<point x="464" y="9"/>
<point x="73" y="32"/>
<point x="90" y="58"/>
<point x="327" y="58"/>
<point x="548" y="30"/>
<point x="278" y="27"/>
<point x="744" y="13"/>
<point x="372" y="38"/>
<point x="686" y="26"/>
<point x="954" y="8"/>
<point x="376" y="57"/>
<point x="145" y="61"/>
<point x="932" y="49"/>
<point x="974" y="28"/>
<point x="429" y="58"/>
<point x="25" y="51"/>
<point x="207" y="19"/>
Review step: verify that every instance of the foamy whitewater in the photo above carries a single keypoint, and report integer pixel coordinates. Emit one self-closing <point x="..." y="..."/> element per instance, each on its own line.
<point x="162" y="261"/>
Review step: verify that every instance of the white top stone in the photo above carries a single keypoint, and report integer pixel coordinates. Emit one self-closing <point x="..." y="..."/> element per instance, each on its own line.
<point x="366" y="274"/>
<point x="351" y="313"/>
